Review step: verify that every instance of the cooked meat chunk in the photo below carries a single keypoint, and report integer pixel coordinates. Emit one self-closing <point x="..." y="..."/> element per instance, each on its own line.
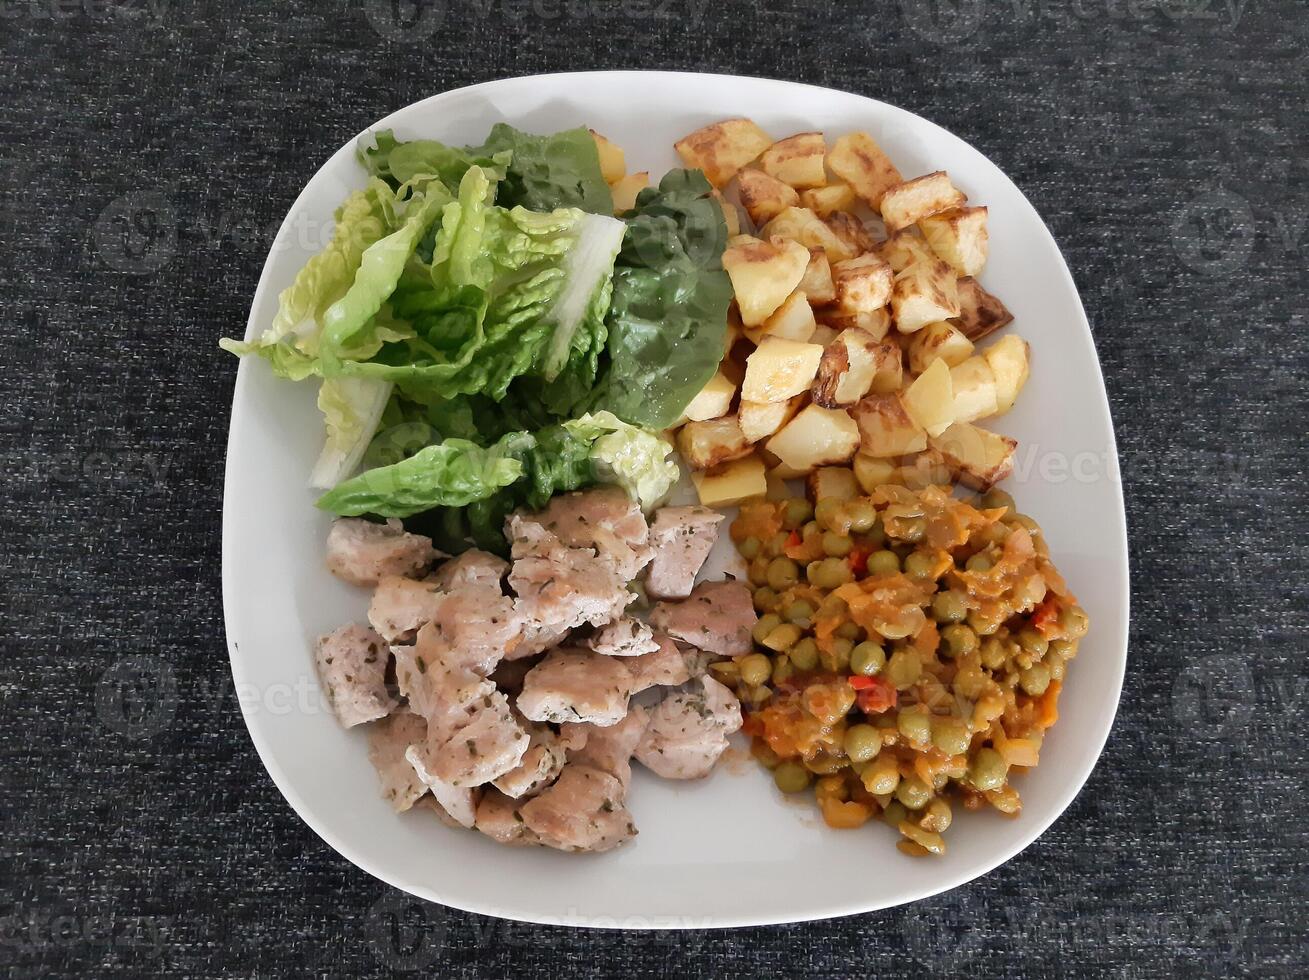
<point x="666" y="666"/>
<point x="387" y="742"/>
<point x="625" y="637"/>
<point x="605" y="519"/>
<point x="688" y="730"/>
<point x="472" y="744"/>
<point x="471" y="568"/>
<point x="401" y="605"/>
<point x="608" y="749"/>
<point x="351" y="665"/>
<point x="682" y="538"/>
<point x="459" y="802"/>
<point x="499" y="819"/>
<point x="429" y="803"/>
<point x="545" y="756"/>
<point x="477" y="620"/>
<point x="582" y="811"/>
<point x="362" y="552"/>
<point x="576" y="685"/>
<point x="717" y="617"/>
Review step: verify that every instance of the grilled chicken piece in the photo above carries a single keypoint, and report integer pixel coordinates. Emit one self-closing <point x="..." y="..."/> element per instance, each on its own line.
<point x="476" y="619"/>
<point x="499" y="819"/>
<point x="471" y="568"/>
<point x="625" y="637"/>
<point x="459" y="802"/>
<point x="362" y="552"/>
<point x="688" y="730"/>
<point x="401" y="605"/>
<point x="682" y="538"/>
<point x="582" y="811"/>
<point x="546" y="754"/>
<point x="387" y="742"/>
<point x="473" y="743"/>
<point x="351" y="665"/>
<point x="605" y="519"/>
<point x="608" y="749"/>
<point x="717" y="617"/>
<point x="576" y="685"/>
<point x="666" y="666"/>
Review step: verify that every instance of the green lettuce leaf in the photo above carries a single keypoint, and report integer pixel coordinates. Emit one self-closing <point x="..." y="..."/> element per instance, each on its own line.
<point x="401" y="162"/>
<point x="561" y="170"/>
<point x="352" y="408"/>
<point x="636" y="460"/>
<point x="668" y="315"/>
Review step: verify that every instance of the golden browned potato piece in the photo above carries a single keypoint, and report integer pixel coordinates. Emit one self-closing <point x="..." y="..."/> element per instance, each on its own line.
<point x="816" y="437"/>
<point x="797" y="160"/>
<point x="851" y="230"/>
<point x="959" y="236"/>
<point x="759" y="420"/>
<point x="974" y="387"/>
<point x="938" y="341"/>
<point x="723" y="148"/>
<point x="928" y="468"/>
<point x="849" y="365"/>
<point x="1009" y="358"/>
<point x="626" y="188"/>
<point x="929" y="400"/>
<point x="793" y="320"/>
<point x="803" y="226"/>
<point x="763" y="275"/>
<point x="977" y="458"/>
<point x="876" y="322"/>
<point x="859" y="161"/>
<point x="779" y="369"/>
<point x="863" y="284"/>
<point x="885" y="428"/>
<point x="728" y="485"/>
<point x="980" y="313"/>
<point x="613" y="164"/>
<point x="872" y="472"/>
<point x="904" y="248"/>
<point x="923" y="293"/>
<point x="912" y="201"/>
<point x="832" y="481"/>
<point x="705" y="445"/>
<point x="731" y="217"/>
<point x="764" y="197"/>
<point x="713" y="401"/>
<point x="817" y="282"/>
<point x="826" y="201"/>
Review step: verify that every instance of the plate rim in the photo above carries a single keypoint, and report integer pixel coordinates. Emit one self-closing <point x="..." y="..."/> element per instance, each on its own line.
<point x="422" y="890"/>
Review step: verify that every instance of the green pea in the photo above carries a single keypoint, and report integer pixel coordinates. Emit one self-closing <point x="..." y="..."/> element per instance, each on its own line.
<point x="1074" y="622"/>
<point x="875" y="536"/>
<point x="791" y="777"/>
<point x="997" y="498"/>
<point x="959" y="640"/>
<point x="895" y="813"/>
<point x="883" y="563"/>
<point x="862" y="515"/>
<point x="797" y="512"/>
<point x="839" y="654"/>
<point x="836" y="545"/>
<point x="949" y="606"/>
<point x="993" y="654"/>
<point x="755" y="669"/>
<point x="915" y="726"/>
<point x="749" y="548"/>
<point x="833" y="607"/>
<point x="830" y="573"/>
<point x="827" y="512"/>
<point x="978" y="563"/>
<point x="912" y="529"/>
<point x="767" y="623"/>
<point x="1033" y="642"/>
<point x="800" y="612"/>
<point x="1022" y="520"/>
<point x="759" y="570"/>
<point x="987" y="770"/>
<point x="1035" y="679"/>
<point x="782" y="668"/>
<point x="777" y="544"/>
<point x="867" y="658"/>
<point x="950" y="735"/>
<point x="904" y="668"/>
<point x="782" y="574"/>
<point x="851" y="631"/>
<point x="765" y="599"/>
<point x="804" y="654"/>
<point x="862" y="742"/>
<point x="919" y="565"/>
<point x="783" y="637"/>
<point x="913" y="793"/>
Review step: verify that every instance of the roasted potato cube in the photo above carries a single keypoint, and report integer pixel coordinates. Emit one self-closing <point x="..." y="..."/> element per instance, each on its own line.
<point x="862" y="284"/>
<point x="793" y="320"/>
<point x="626" y="188"/>
<point x="876" y="322"/>
<point x="723" y="148"/>
<point x="886" y="428"/>
<point x="923" y="293"/>
<point x="959" y="236"/>
<point x="763" y="275"/>
<point x="826" y="201"/>
<point x="777" y="488"/>
<point x="817" y="282"/>
<point x="977" y="458"/>
<point x="913" y="200"/>
<point x="779" y="369"/>
<point x="797" y="160"/>
<point x="928" y="468"/>
<point x="731" y="216"/>
<point x="816" y="437"/>
<point x="904" y="248"/>
<point x="851" y="230"/>
<point x="728" y="485"/>
<point x="759" y="420"/>
<point x="613" y="164"/>
<point x="930" y="399"/>
<point x="713" y="401"/>
<point x="823" y="335"/>
<point x="803" y="226"/>
<point x="849" y="365"/>
<point x="872" y="472"/>
<point x="938" y="341"/>
<point x="705" y="445"/>
<point x="1009" y="358"/>
<point x="889" y="375"/>
<point x="974" y="387"/>
<point x="980" y="313"/>
<point x="832" y="481"/>
<point x="764" y="197"/>
<point x="860" y="162"/>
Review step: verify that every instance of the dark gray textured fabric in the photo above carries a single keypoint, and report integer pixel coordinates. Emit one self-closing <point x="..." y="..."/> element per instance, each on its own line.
<point x="147" y="151"/>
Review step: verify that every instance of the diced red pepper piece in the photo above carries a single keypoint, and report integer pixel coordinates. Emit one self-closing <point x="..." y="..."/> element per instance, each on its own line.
<point x="879" y="696"/>
<point x="859" y="560"/>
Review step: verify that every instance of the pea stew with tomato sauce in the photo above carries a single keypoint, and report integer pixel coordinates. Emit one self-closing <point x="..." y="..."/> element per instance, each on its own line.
<point x="909" y="653"/>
